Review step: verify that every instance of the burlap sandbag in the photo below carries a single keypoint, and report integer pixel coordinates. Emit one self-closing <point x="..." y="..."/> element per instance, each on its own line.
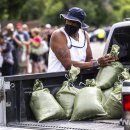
<point x="113" y="105"/>
<point x="107" y="92"/>
<point x="108" y="75"/>
<point x="73" y="72"/>
<point x="43" y="104"/>
<point x="114" y="50"/>
<point x="88" y="103"/>
<point x="66" y="95"/>
<point x="124" y="75"/>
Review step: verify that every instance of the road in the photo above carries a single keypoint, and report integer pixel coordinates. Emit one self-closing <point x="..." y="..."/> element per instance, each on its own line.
<point x="10" y="128"/>
<point x="97" y="49"/>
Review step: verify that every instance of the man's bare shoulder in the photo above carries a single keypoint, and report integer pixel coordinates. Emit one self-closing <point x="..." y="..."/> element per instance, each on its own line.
<point x="58" y="37"/>
<point x="58" y="33"/>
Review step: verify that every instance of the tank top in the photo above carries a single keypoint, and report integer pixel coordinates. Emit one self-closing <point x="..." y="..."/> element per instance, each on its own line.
<point x="77" y="51"/>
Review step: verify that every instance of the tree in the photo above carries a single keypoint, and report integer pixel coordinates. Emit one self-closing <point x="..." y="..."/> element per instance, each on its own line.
<point x="99" y="12"/>
<point x="3" y="9"/>
<point x="9" y="9"/>
<point x="96" y="11"/>
<point x="33" y="9"/>
<point x="120" y="9"/>
<point x="13" y="8"/>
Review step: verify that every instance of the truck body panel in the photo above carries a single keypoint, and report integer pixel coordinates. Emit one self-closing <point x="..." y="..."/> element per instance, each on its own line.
<point x="2" y="103"/>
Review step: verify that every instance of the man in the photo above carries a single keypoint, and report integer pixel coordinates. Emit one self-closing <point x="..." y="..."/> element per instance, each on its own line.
<point x="26" y="30"/>
<point x="8" y="61"/>
<point x="70" y="45"/>
<point x="21" y="41"/>
<point x="8" y="33"/>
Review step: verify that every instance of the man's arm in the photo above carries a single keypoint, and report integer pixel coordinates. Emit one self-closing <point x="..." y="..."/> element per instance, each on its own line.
<point x="18" y="42"/>
<point x="60" y="48"/>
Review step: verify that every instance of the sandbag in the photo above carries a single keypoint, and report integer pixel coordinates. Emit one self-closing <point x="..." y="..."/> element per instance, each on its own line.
<point x="125" y="75"/>
<point x="107" y="92"/>
<point x="108" y="75"/>
<point x="73" y="72"/>
<point x="88" y="103"/>
<point x="66" y="95"/>
<point x="113" y="105"/>
<point x="115" y="50"/>
<point x="43" y="104"/>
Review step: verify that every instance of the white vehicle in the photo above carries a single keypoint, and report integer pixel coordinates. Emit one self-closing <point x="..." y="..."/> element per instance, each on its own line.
<point x="16" y="91"/>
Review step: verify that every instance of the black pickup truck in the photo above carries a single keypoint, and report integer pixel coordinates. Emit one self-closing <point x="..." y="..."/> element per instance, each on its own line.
<point x="16" y="91"/>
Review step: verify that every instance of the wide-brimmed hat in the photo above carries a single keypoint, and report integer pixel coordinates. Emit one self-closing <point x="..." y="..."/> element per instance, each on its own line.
<point x="76" y="14"/>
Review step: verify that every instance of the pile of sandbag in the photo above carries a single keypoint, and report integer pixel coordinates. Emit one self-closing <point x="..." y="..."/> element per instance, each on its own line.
<point x="100" y="98"/>
<point x="44" y="105"/>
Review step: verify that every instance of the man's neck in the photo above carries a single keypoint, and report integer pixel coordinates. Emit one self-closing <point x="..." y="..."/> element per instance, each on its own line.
<point x="75" y="36"/>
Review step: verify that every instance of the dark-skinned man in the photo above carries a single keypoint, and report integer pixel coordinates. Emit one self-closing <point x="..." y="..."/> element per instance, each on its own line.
<point x="70" y="45"/>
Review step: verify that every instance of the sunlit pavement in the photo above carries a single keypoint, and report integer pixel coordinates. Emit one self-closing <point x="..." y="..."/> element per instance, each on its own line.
<point x="10" y="128"/>
<point x="97" y="49"/>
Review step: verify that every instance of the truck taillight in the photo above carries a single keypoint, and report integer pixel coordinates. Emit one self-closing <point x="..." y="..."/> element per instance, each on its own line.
<point x="126" y="95"/>
<point x="126" y="102"/>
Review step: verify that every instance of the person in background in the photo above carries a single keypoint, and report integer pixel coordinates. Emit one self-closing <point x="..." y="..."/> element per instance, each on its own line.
<point x="47" y="32"/>
<point x="70" y="45"/>
<point x="8" y="61"/>
<point x="8" y="33"/>
<point x="36" y="41"/>
<point x="26" y="30"/>
<point x="21" y="41"/>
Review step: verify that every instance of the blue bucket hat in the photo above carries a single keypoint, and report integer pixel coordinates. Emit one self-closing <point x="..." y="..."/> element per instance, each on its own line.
<point x="76" y="14"/>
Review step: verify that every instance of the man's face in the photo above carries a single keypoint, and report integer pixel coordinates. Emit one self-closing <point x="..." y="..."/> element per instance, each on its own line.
<point x="71" y="27"/>
<point x="20" y="29"/>
<point x="73" y="23"/>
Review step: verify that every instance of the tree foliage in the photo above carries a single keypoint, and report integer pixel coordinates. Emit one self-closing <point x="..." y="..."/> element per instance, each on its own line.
<point x="10" y="9"/>
<point x="33" y="9"/>
<point x="99" y="12"/>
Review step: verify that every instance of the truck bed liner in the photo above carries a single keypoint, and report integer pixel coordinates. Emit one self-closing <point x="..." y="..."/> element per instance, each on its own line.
<point x="66" y="125"/>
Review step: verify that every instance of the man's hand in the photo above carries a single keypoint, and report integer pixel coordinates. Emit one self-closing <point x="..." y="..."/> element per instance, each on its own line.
<point x="106" y="60"/>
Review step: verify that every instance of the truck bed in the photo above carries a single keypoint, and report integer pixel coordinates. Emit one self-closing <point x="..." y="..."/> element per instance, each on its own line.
<point x="66" y="125"/>
<point x="19" y="114"/>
